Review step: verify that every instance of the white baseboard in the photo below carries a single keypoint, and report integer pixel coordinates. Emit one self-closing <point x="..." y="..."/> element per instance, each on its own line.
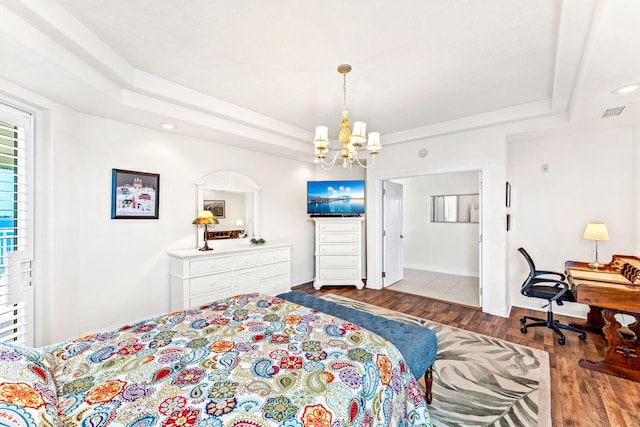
<point x="442" y="270"/>
<point x="568" y="309"/>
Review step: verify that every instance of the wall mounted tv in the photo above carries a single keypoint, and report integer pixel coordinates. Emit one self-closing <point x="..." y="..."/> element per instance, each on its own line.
<point x="335" y="198"/>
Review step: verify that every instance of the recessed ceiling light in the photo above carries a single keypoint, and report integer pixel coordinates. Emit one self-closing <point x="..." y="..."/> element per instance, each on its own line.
<point x="632" y="87"/>
<point x="168" y="126"/>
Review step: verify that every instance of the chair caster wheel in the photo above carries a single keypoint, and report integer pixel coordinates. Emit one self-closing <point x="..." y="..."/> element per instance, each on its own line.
<point x="561" y="341"/>
<point x="582" y="336"/>
<point x="523" y="320"/>
<point x="523" y="330"/>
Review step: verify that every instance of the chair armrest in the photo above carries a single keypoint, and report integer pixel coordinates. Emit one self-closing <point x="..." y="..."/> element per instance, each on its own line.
<point x="550" y="273"/>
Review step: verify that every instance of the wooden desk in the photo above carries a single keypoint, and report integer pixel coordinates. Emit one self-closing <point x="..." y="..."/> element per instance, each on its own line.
<point x="608" y="292"/>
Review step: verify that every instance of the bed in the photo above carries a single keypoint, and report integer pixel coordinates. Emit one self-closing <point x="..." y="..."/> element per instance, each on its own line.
<point x="247" y="361"/>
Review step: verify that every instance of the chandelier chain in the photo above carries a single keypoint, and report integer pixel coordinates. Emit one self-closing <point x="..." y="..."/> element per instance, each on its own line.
<point x="344" y="91"/>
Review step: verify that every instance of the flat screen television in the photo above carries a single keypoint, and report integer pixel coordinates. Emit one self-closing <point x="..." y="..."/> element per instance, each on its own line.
<point x="335" y="198"/>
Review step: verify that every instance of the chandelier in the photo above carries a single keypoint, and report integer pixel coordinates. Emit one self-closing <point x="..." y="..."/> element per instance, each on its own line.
<point x="351" y="142"/>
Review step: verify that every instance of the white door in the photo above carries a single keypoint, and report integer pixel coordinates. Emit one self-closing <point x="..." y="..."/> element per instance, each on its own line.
<point x="392" y="233"/>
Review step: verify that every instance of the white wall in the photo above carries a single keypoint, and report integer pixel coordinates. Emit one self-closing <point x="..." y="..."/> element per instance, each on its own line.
<point x="479" y="150"/>
<point x="590" y="178"/>
<point x="435" y="246"/>
<point x="91" y="271"/>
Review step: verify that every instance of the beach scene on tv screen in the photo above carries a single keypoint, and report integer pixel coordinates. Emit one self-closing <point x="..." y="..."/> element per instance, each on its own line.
<point x="335" y="197"/>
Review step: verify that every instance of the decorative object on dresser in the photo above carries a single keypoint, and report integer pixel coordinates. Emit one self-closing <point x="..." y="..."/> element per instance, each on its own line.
<point x="205" y="218"/>
<point x="241" y="196"/>
<point x="216" y="207"/>
<point x="134" y="195"/>
<point x="350" y="142"/>
<point x="338" y="252"/>
<point x="198" y="278"/>
<point x="596" y="231"/>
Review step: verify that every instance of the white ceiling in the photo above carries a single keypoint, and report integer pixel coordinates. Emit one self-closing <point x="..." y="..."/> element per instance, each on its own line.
<point x="262" y="75"/>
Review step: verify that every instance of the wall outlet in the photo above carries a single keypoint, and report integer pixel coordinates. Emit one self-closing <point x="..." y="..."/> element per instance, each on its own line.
<point x="544" y="168"/>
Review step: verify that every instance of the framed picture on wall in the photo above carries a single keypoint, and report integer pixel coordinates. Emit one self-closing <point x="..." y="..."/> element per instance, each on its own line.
<point x="216" y="207"/>
<point x="134" y="195"/>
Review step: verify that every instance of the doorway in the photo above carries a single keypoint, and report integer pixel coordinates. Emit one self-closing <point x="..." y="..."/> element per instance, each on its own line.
<point x="439" y="257"/>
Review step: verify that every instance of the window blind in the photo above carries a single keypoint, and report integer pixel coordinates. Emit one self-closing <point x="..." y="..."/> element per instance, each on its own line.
<point x="16" y="225"/>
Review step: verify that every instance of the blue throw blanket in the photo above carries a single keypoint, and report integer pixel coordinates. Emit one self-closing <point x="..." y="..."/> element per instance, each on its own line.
<point x="417" y="345"/>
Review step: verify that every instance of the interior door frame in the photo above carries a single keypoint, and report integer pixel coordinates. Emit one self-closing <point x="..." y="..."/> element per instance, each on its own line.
<point x="481" y="191"/>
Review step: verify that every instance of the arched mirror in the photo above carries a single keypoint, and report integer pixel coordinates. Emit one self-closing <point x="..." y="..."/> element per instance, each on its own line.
<point x="232" y="197"/>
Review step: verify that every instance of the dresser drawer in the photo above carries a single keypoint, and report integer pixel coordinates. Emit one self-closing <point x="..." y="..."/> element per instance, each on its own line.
<point x="338" y="261"/>
<point x="210" y="282"/>
<point x="275" y="285"/>
<point x="338" y="249"/>
<point x="339" y="226"/>
<point x="267" y="257"/>
<point x="338" y="238"/>
<point x="245" y="260"/>
<point x="209" y="297"/>
<point x="339" y="274"/>
<point x="247" y="281"/>
<point x="212" y="265"/>
<point x="273" y="270"/>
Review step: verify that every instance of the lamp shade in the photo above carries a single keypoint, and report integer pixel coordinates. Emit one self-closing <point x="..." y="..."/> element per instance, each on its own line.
<point x="359" y="134"/>
<point x="240" y="222"/>
<point x="596" y="231"/>
<point x="205" y="217"/>
<point x="374" y="142"/>
<point x="322" y="136"/>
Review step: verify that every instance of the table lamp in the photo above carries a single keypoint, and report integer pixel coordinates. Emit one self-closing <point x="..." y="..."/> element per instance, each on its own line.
<point x="240" y="225"/>
<point x="205" y="218"/>
<point x="596" y="231"/>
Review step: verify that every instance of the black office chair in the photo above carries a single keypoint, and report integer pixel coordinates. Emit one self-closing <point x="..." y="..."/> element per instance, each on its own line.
<point x="550" y="289"/>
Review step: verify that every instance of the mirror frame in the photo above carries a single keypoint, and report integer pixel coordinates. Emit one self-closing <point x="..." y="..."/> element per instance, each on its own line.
<point x="457" y="196"/>
<point x="235" y="182"/>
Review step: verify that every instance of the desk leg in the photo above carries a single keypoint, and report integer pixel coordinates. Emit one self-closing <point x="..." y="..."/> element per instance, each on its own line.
<point x="594" y="323"/>
<point x="622" y="354"/>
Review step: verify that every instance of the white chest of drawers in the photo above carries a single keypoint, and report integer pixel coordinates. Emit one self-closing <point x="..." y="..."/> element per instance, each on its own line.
<point x="338" y="252"/>
<point x="199" y="278"/>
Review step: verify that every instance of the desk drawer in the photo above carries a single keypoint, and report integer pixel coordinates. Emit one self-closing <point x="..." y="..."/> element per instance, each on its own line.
<point x="210" y="282"/>
<point x="338" y="249"/>
<point x="210" y="265"/>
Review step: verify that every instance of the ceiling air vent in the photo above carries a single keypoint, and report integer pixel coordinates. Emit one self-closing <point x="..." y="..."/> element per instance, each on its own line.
<point x="612" y="112"/>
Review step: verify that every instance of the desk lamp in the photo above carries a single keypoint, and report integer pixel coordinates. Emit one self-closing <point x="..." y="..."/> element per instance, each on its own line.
<point x="596" y="231"/>
<point x="205" y="218"/>
<point x="240" y="225"/>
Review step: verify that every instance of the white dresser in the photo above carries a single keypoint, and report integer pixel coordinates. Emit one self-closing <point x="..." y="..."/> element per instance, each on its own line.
<point x="339" y="252"/>
<point x="199" y="277"/>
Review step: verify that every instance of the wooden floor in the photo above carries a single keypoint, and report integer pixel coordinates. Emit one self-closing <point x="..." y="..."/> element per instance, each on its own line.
<point x="579" y="397"/>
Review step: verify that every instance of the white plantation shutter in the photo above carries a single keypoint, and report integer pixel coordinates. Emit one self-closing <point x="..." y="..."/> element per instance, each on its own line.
<point x="16" y="225"/>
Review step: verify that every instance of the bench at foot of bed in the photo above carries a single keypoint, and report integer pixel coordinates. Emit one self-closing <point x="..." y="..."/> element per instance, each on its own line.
<point x="418" y="345"/>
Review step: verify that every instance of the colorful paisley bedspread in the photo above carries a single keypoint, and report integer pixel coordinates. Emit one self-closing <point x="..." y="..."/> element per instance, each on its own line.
<point x="247" y="361"/>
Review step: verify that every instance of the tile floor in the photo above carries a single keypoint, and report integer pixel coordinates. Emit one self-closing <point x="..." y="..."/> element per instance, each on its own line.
<point x="441" y="286"/>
